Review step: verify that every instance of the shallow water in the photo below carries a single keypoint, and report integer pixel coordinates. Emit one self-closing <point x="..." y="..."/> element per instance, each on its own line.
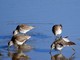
<point x="43" y="15"/>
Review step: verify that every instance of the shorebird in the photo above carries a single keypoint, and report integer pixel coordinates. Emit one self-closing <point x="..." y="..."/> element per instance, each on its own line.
<point x="22" y="28"/>
<point x="18" y="40"/>
<point x="60" y="43"/>
<point x="57" y="29"/>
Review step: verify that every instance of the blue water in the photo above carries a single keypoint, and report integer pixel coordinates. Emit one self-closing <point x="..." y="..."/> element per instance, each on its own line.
<point x="42" y="14"/>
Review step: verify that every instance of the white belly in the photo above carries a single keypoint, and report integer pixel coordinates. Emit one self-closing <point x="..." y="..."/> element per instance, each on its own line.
<point x="24" y="31"/>
<point x="59" y="48"/>
<point x="66" y="39"/>
<point x="19" y="43"/>
<point x="58" y="32"/>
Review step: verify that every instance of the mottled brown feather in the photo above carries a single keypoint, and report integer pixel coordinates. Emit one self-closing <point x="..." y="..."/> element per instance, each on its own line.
<point x="19" y="37"/>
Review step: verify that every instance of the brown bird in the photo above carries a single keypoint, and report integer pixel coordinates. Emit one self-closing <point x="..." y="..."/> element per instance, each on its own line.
<point x="22" y="28"/>
<point x="61" y="42"/>
<point x="57" y="29"/>
<point x="18" y="40"/>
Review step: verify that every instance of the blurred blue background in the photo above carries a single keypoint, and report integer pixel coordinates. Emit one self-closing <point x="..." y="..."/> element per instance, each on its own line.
<point x="42" y="14"/>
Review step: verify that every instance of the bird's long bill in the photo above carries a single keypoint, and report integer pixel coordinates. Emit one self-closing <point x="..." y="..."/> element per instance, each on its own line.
<point x="73" y="49"/>
<point x="71" y="43"/>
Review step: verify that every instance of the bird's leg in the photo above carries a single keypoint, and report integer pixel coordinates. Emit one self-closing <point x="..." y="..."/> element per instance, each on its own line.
<point x="16" y="46"/>
<point x="58" y="36"/>
<point x="73" y="49"/>
<point x="50" y="51"/>
<point x="24" y="33"/>
<point x="19" y="47"/>
<point x="8" y="48"/>
<point x="23" y="44"/>
<point x="60" y="51"/>
<point x="70" y="58"/>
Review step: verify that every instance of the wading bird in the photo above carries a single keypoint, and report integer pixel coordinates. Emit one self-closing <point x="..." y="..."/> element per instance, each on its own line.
<point x="60" y="43"/>
<point x="18" y="40"/>
<point x="22" y="28"/>
<point x="57" y="29"/>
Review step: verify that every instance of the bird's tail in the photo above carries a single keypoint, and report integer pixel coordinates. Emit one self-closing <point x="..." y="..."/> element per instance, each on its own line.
<point x="70" y="43"/>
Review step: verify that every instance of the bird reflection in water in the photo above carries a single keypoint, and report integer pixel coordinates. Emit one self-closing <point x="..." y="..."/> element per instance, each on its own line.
<point x="62" y="57"/>
<point x="25" y="47"/>
<point x="1" y="56"/>
<point x="19" y="55"/>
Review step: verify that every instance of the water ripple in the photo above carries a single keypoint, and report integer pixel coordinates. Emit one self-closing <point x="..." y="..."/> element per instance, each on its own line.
<point x="5" y="37"/>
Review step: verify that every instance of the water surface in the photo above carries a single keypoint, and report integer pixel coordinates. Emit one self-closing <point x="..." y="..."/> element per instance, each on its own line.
<point x="42" y="14"/>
